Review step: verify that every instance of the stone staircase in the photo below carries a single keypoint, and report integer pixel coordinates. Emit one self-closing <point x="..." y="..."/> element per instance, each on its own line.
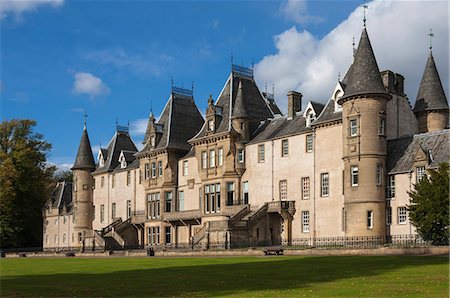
<point x="111" y="237"/>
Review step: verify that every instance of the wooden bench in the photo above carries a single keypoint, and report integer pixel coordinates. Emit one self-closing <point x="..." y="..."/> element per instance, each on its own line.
<point x="273" y="251"/>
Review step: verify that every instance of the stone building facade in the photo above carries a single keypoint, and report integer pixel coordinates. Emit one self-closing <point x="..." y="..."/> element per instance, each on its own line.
<point x="248" y="175"/>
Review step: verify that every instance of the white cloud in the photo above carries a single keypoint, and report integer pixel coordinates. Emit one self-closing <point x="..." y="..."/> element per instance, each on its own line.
<point x="398" y="33"/>
<point x="138" y="127"/>
<point x="150" y="62"/>
<point x="86" y="83"/>
<point x="296" y="11"/>
<point x="18" y="7"/>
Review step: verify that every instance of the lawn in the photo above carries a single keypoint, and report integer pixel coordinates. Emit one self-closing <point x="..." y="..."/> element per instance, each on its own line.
<point x="349" y="276"/>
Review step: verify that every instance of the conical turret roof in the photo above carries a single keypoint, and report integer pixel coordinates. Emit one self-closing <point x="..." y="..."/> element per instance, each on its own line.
<point x="431" y="95"/>
<point x="84" y="159"/>
<point x="364" y="75"/>
<point x="239" y="110"/>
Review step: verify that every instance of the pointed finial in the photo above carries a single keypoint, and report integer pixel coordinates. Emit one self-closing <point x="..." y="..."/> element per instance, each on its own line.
<point x="353" y="46"/>
<point x="339" y="76"/>
<point x="231" y="58"/>
<point x="192" y="87"/>
<point x="365" y="7"/>
<point x="431" y="35"/>
<point x="85" y="120"/>
<point x="151" y="106"/>
<point x="171" y="82"/>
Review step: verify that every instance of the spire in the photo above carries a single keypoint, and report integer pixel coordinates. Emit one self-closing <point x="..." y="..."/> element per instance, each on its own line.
<point x="364" y="75"/>
<point x="431" y="95"/>
<point x="239" y="110"/>
<point x="84" y="159"/>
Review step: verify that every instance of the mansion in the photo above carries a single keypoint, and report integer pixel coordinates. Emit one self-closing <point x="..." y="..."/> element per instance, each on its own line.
<point x="246" y="175"/>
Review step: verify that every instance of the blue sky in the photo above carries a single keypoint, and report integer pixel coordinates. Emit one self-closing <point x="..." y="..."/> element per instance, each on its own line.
<point x="115" y="59"/>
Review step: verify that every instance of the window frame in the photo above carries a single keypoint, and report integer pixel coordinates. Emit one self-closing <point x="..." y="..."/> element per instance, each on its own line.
<point x="370" y="220"/>
<point x="420" y="173"/>
<point x="220" y="157"/>
<point x="284" y="148"/>
<point x="283" y="190"/>
<point x="402" y="215"/>
<point x="305" y="221"/>
<point x="354" y="176"/>
<point x="306" y="188"/>
<point x="185" y="168"/>
<point x="241" y="155"/>
<point x="309" y="143"/>
<point x="212" y="158"/>
<point x="261" y="153"/>
<point x="353" y="129"/>
<point x="324" y="187"/>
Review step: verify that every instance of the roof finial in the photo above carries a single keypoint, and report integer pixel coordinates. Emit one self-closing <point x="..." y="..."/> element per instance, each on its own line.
<point x="353" y="46"/>
<point x="171" y="82"/>
<point x="231" y="59"/>
<point x="339" y="76"/>
<point x="365" y="7"/>
<point x="85" y="118"/>
<point x="192" y="87"/>
<point x="431" y="35"/>
<point x="151" y="106"/>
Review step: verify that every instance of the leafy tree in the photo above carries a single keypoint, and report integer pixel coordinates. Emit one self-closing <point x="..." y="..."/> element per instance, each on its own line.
<point x="24" y="183"/>
<point x="429" y="206"/>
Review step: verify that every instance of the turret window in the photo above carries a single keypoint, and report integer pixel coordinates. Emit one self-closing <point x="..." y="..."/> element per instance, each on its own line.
<point x="284" y="148"/>
<point x="240" y="155"/>
<point x="370" y="219"/>
<point x="353" y="127"/>
<point x="204" y="160"/>
<point x="160" y="168"/>
<point x="381" y="126"/>
<point x="354" y="175"/>
<point x="379" y="174"/>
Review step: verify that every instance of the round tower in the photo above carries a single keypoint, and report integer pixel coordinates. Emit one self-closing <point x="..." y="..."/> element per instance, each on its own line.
<point x="364" y="153"/>
<point x="431" y="107"/>
<point x="240" y="118"/>
<point x="82" y="189"/>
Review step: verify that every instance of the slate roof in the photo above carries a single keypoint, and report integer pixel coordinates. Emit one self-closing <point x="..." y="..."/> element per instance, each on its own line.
<point x="328" y="114"/>
<point x="180" y="121"/>
<point x="279" y="127"/>
<point x="256" y="106"/>
<point x="364" y="75"/>
<point x="431" y="95"/>
<point x="239" y="109"/>
<point x="121" y="141"/>
<point x="401" y="152"/>
<point x="61" y="196"/>
<point x="84" y="159"/>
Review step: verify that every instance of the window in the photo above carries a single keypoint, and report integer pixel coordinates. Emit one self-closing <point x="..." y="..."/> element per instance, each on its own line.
<point x="261" y="153"/>
<point x="212" y="158"/>
<point x="390" y="193"/>
<point x="245" y="191"/>
<point x="283" y="190"/>
<point x="379" y="174"/>
<point x="354" y="175"/>
<point x="181" y="201"/>
<point x="185" y="168"/>
<point x="305" y="221"/>
<point x="153" y="204"/>
<point x="128" y="178"/>
<point x="370" y="219"/>
<point x="242" y="126"/>
<point x="220" y="156"/>
<point x="310" y="118"/>
<point x="102" y="213"/>
<point x="113" y="180"/>
<point x="211" y="125"/>
<point x="80" y="237"/>
<point x="102" y="182"/>
<point x="123" y="163"/>
<point x="64" y="238"/>
<point x="388" y="215"/>
<point x="230" y="193"/>
<point x="153" y="170"/>
<point x="65" y="219"/>
<point x="153" y="235"/>
<point x="204" y="160"/>
<point x="343" y="219"/>
<point x="284" y="148"/>
<point x="381" y="126"/>
<point x="140" y="177"/>
<point x="146" y="171"/>
<point x="160" y="168"/>
<point x="309" y="143"/>
<point x="324" y="185"/>
<point x="128" y="209"/>
<point x="168" y="235"/>
<point x="240" y="155"/>
<point x="113" y="211"/>
<point x="55" y="238"/>
<point x="305" y="188"/>
<point x="402" y="215"/>
<point x="212" y="198"/>
<point x="353" y="127"/>
<point x="420" y="172"/>
<point x="46" y="239"/>
<point x="168" y="201"/>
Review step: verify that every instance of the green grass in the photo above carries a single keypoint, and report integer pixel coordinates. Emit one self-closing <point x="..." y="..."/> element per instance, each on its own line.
<point x="349" y="276"/>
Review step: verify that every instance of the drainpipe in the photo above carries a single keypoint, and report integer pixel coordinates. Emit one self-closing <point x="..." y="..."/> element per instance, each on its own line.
<point x="314" y="185"/>
<point x="271" y="168"/>
<point x="410" y="187"/>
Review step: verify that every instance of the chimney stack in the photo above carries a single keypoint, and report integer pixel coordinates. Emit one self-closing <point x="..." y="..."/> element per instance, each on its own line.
<point x="294" y="103"/>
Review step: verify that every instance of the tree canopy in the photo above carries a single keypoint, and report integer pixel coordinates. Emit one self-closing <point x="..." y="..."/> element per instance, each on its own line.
<point x="429" y="206"/>
<point x="25" y="179"/>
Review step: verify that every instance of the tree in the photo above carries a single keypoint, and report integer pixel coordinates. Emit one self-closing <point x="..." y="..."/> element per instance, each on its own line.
<point x="66" y="176"/>
<point x="429" y="206"/>
<point x="24" y="183"/>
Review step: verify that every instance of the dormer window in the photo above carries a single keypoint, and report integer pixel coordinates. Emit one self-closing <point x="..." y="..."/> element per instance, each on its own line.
<point x="310" y="117"/>
<point x="210" y="125"/>
<point x="152" y="141"/>
<point x="123" y="163"/>
<point x="101" y="162"/>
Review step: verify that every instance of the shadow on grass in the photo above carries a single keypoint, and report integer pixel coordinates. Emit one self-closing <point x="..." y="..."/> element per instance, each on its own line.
<point x="208" y="277"/>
